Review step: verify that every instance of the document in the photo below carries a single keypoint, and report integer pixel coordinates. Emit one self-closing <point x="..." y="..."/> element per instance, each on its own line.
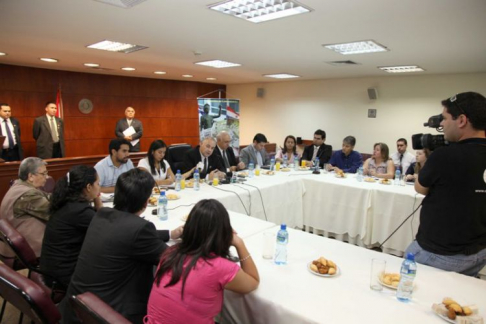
<point x="129" y="132"/>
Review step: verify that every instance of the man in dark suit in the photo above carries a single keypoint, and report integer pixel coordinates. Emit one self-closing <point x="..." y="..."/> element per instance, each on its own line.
<point x="318" y="149"/>
<point x="127" y="122"/>
<point x="224" y="152"/>
<point x="120" y="251"/>
<point x="202" y="157"/>
<point x="49" y="134"/>
<point x="10" y="128"/>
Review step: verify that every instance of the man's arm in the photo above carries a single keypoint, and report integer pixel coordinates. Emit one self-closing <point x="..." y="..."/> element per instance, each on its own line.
<point x="119" y="129"/>
<point x="139" y="130"/>
<point x="36" y="129"/>
<point x="33" y="203"/>
<point x="245" y="156"/>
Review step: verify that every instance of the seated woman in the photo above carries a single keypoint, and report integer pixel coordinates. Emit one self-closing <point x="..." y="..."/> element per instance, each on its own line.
<point x="380" y="165"/>
<point x="414" y="168"/>
<point x="289" y="148"/>
<point x="71" y="214"/>
<point x="192" y="275"/>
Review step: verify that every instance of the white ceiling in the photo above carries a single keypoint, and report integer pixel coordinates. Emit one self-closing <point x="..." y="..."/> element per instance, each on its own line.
<point x="441" y="36"/>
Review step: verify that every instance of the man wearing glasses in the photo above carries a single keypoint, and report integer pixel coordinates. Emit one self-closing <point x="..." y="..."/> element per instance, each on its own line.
<point x="25" y="206"/>
<point x="452" y="232"/>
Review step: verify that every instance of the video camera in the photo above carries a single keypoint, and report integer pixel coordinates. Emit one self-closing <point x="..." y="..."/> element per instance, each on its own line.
<point x="429" y="141"/>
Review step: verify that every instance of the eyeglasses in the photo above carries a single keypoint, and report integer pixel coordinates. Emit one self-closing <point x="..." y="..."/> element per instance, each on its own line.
<point x="45" y="173"/>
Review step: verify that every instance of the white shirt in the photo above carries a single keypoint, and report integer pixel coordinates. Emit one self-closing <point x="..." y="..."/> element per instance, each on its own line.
<point x="144" y="163"/>
<point x="54" y="121"/>
<point x="408" y="158"/>
<point x="4" y="132"/>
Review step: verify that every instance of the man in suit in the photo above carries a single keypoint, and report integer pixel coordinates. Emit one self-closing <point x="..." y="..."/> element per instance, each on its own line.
<point x="127" y="122"/>
<point x="49" y="134"/>
<point x="202" y="157"/>
<point x="256" y="153"/>
<point x="120" y="250"/>
<point x="225" y="153"/>
<point x="318" y="149"/>
<point x="10" y="128"/>
<point x="402" y="159"/>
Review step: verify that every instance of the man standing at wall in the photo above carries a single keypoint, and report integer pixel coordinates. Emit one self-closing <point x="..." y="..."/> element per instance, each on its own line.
<point x="133" y="134"/>
<point x="49" y="134"/>
<point x="10" y="128"/>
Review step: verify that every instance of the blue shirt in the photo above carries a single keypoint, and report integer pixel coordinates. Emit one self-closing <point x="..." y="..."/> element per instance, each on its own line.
<point x="349" y="163"/>
<point x="108" y="173"/>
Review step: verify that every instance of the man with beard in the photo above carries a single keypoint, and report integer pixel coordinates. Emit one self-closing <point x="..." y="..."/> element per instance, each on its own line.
<point x="318" y="149"/>
<point x="110" y="168"/>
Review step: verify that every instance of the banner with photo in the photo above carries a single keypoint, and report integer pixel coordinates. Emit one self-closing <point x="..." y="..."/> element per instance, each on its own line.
<point x="216" y="115"/>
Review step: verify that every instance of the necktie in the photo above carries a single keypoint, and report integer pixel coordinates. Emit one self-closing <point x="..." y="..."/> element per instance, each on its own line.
<point x="401" y="157"/>
<point x="55" y="138"/>
<point x="225" y="158"/>
<point x="9" y="135"/>
<point x="205" y="165"/>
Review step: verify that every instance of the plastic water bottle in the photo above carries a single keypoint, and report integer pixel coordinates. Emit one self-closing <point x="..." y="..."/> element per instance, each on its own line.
<point x="285" y="160"/>
<point x="251" y="170"/>
<point x="407" y="275"/>
<point x="272" y="164"/>
<point x="162" y="211"/>
<point x="296" y="162"/>
<point x="360" y="174"/>
<point x="234" y="178"/>
<point x="316" y="164"/>
<point x="397" y="177"/>
<point x="196" y="179"/>
<point x="178" y="180"/>
<point x="282" y="241"/>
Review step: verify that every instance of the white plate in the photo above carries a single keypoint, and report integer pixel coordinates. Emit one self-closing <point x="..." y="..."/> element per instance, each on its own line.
<point x="338" y="272"/>
<point x="303" y="169"/>
<point x="173" y="196"/>
<point x="387" y="286"/>
<point x="339" y="177"/>
<point x="285" y="169"/>
<point x="268" y="174"/>
<point x="386" y="183"/>
<point x="445" y="318"/>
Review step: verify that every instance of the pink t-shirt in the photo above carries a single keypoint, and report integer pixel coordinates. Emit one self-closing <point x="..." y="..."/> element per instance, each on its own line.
<point x="203" y="294"/>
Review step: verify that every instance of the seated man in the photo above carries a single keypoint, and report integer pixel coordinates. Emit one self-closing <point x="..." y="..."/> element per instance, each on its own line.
<point x="255" y="153"/>
<point x="226" y="154"/>
<point x="202" y="157"/>
<point x="25" y="206"/>
<point x="402" y="159"/>
<point x="120" y="250"/>
<point x="112" y="166"/>
<point x="318" y="149"/>
<point x="346" y="160"/>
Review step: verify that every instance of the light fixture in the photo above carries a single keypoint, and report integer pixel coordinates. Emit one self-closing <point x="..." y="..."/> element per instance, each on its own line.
<point x="360" y="47"/>
<point x="211" y="79"/>
<point x="218" y="64"/>
<point x="91" y="64"/>
<point x="47" y="59"/>
<point x="3" y="54"/>
<point x="281" y="76"/>
<point x="401" y="69"/>
<point x="113" y="46"/>
<point x="160" y="72"/>
<point x="258" y="11"/>
<point x="128" y="68"/>
<point x="187" y="75"/>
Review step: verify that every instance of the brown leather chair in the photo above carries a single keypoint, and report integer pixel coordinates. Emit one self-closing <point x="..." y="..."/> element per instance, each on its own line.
<point x="27" y="296"/>
<point x="92" y="310"/>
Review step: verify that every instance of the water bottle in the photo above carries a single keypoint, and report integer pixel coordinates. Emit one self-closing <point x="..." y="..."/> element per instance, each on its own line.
<point x="178" y="180"/>
<point x="234" y="179"/>
<point x="251" y="168"/>
<point x="316" y="164"/>
<point x="360" y="174"/>
<point x="407" y="275"/>
<point x="285" y="160"/>
<point x="296" y="162"/>
<point x="162" y="211"/>
<point x="272" y="164"/>
<point x="282" y="241"/>
<point x="196" y="179"/>
<point x="397" y="177"/>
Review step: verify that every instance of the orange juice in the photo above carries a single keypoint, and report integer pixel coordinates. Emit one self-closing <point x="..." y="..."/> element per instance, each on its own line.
<point x="257" y="171"/>
<point x="215" y="181"/>
<point x="303" y="163"/>
<point x="183" y="184"/>
<point x="277" y="166"/>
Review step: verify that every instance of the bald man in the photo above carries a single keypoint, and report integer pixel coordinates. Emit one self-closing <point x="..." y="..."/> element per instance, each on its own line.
<point x="127" y="122"/>
<point x="224" y="152"/>
<point x="202" y="157"/>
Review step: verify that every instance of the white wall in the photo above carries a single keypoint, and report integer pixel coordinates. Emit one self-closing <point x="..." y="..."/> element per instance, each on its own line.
<point x="340" y="107"/>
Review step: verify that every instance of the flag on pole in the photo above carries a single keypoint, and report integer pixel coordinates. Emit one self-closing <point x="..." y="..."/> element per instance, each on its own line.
<point x="59" y="106"/>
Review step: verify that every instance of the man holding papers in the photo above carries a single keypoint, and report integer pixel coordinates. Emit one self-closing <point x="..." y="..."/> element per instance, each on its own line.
<point x="130" y="129"/>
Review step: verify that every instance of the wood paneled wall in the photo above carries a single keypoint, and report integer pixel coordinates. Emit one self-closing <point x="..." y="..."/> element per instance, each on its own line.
<point x="167" y="109"/>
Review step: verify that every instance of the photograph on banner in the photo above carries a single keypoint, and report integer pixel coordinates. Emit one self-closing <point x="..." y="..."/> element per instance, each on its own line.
<point x="216" y="115"/>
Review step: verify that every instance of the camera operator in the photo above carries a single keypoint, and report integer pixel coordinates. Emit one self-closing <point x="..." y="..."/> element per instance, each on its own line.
<point x="452" y="232"/>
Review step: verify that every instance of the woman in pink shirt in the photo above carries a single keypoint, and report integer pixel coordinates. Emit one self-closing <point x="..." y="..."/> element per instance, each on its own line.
<point x="193" y="274"/>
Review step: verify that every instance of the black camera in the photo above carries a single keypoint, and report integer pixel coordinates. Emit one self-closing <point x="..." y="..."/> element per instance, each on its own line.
<point x="429" y="141"/>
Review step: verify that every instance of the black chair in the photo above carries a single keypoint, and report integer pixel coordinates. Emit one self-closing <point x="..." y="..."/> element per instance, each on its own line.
<point x="28" y="297"/>
<point x="92" y="310"/>
<point x="175" y="156"/>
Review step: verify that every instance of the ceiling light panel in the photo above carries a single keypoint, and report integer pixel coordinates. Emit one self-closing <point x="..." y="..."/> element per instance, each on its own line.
<point x="128" y="68"/>
<point x="281" y="76"/>
<point x="160" y="72"/>
<point x="3" y="54"/>
<point x="258" y="11"/>
<point x="48" y="59"/>
<point x="361" y="47"/>
<point x="91" y="64"/>
<point x="401" y="69"/>
<point x="218" y="64"/>
<point x="113" y="46"/>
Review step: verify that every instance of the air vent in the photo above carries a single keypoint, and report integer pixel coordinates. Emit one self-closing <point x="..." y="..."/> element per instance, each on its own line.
<point x="122" y="3"/>
<point x="343" y="63"/>
<point x="99" y="68"/>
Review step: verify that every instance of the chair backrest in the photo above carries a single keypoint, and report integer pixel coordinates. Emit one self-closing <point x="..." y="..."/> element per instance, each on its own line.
<point x="175" y="155"/>
<point x="27" y="296"/>
<point x="92" y="310"/>
<point x="18" y="244"/>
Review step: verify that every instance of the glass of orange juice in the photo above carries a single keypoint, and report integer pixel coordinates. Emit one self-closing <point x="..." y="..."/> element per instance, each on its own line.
<point x="303" y="164"/>
<point x="215" y="181"/>
<point x="183" y="184"/>
<point x="257" y="170"/>
<point x="277" y="166"/>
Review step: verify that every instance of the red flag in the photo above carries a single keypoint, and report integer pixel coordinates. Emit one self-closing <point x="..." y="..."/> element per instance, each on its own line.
<point x="59" y="106"/>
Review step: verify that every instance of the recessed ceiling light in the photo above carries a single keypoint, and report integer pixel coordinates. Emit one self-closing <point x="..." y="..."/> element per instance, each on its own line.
<point x="128" y="68"/>
<point x="91" y="64"/>
<point x="258" y="11"/>
<point x="281" y="76"/>
<point x="401" y="69"/>
<point x="113" y="46"/>
<point x="160" y="72"/>
<point x="361" y="47"/>
<point x="218" y="64"/>
<point x="3" y="54"/>
<point x="47" y="59"/>
<point x="187" y="76"/>
<point x="211" y="79"/>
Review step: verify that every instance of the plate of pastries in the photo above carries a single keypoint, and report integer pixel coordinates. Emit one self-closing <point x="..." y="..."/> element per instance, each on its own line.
<point x="323" y="267"/>
<point x="268" y="172"/>
<point x="385" y="181"/>
<point x="340" y="174"/>
<point x="453" y="312"/>
<point x="390" y="280"/>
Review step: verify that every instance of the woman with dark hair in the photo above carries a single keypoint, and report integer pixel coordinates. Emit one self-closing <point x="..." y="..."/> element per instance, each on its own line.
<point x="380" y="165"/>
<point x="192" y="275"/>
<point x="289" y="148"/>
<point x="414" y="168"/>
<point x="71" y="213"/>
<point x="155" y="164"/>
